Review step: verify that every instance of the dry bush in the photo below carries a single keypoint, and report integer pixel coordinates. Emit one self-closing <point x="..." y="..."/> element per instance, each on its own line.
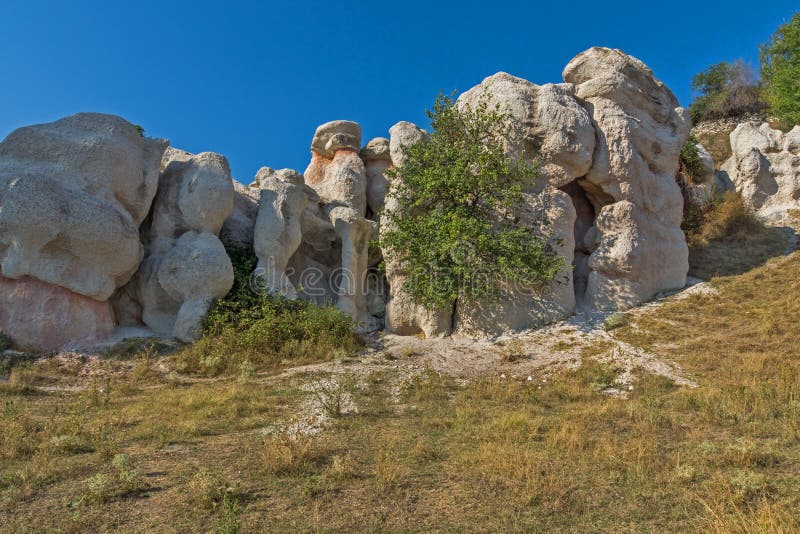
<point x="284" y="454"/>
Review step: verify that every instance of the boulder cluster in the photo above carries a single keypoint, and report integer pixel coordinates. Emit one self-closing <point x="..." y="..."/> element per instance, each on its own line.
<point x="101" y="227"/>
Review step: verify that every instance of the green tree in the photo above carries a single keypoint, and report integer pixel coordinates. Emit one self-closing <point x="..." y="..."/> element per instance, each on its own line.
<point x="725" y="90"/>
<point x="780" y="71"/>
<point x="457" y="228"/>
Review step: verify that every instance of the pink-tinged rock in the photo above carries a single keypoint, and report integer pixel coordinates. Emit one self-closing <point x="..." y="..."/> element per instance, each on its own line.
<point x="43" y="317"/>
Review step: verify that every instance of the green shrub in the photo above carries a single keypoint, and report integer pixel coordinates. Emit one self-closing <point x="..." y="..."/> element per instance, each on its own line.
<point x="780" y="72"/>
<point x="691" y="163"/>
<point x="725" y="90"/>
<point x="264" y="330"/>
<point x="459" y="196"/>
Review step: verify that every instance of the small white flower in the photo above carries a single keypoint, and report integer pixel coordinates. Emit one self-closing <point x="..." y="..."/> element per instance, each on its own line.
<point x="630" y="388"/>
<point x="530" y="378"/>
<point x="503" y="375"/>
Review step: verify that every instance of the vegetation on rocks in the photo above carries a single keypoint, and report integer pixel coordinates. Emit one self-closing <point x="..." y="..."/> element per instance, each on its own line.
<point x="780" y="72"/>
<point x="247" y="331"/>
<point x="691" y="164"/>
<point x="459" y="197"/>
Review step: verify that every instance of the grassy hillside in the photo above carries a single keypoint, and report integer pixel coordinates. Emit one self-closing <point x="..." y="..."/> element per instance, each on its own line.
<point x="144" y="448"/>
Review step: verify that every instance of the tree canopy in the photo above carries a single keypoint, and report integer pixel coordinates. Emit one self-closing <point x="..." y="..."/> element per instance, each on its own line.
<point x="780" y="71"/>
<point x="456" y="224"/>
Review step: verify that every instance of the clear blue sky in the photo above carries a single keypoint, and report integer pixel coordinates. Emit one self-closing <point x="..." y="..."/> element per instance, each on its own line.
<point x="252" y="80"/>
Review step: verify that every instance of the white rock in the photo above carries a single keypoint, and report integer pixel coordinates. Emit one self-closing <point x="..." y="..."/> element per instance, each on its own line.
<point x="765" y="169"/>
<point x="550" y="125"/>
<point x="278" y="232"/>
<point x="72" y="194"/>
<point x="631" y="183"/>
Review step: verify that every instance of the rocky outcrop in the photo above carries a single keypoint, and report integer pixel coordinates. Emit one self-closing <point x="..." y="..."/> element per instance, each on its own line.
<point x="550" y="126"/>
<point x="97" y="226"/>
<point x="765" y="169"/>
<point x="336" y="172"/>
<point x="377" y="160"/>
<point x="186" y="265"/>
<point x="278" y="232"/>
<point x="237" y="230"/>
<point x="72" y="196"/>
<point x="403" y="315"/>
<point x="44" y="317"/>
<point x="73" y="193"/>
<point x="641" y="249"/>
<point x="520" y="308"/>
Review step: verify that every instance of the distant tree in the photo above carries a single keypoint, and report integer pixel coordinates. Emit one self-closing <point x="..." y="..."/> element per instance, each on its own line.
<point x="459" y="196"/>
<point x="725" y="90"/>
<point x="780" y="71"/>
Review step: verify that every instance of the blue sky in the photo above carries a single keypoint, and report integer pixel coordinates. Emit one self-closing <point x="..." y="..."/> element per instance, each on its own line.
<point x="252" y="80"/>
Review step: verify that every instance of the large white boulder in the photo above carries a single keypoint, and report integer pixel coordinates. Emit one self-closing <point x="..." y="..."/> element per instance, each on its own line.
<point x="550" y="126"/>
<point x="765" y="169"/>
<point x="72" y="194"/>
<point x="186" y="265"/>
<point x="641" y="129"/>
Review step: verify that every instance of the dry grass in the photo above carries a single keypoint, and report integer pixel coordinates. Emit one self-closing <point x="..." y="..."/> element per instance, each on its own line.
<point x="494" y="455"/>
<point x="725" y="238"/>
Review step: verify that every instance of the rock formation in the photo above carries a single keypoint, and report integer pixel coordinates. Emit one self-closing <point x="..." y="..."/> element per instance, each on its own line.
<point x="403" y="315"/>
<point x="377" y="160"/>
<point x="72" y="196"/>
<point x="101" y="226"/>
<point x="185" y="266"/>
<point x="641" y="249"/>
<point x="765" y="168"/>
<point x="551" y="127"/>
<point x="278" y="232"/>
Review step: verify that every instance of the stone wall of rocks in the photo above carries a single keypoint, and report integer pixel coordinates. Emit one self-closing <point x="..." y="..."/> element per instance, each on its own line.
<point x="101" y="227"/>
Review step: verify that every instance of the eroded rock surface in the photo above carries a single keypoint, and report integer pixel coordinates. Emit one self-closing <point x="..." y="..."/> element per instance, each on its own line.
<point x="72" y="194"/>
<point x="641" y="129"/>
<point x="765" y="169"/>
<point x="550" y="127"/>
<point x="186" y="265"/>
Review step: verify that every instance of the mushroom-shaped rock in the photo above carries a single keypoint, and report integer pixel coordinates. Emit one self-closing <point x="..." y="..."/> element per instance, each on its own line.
<point x="336" y="172"/>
